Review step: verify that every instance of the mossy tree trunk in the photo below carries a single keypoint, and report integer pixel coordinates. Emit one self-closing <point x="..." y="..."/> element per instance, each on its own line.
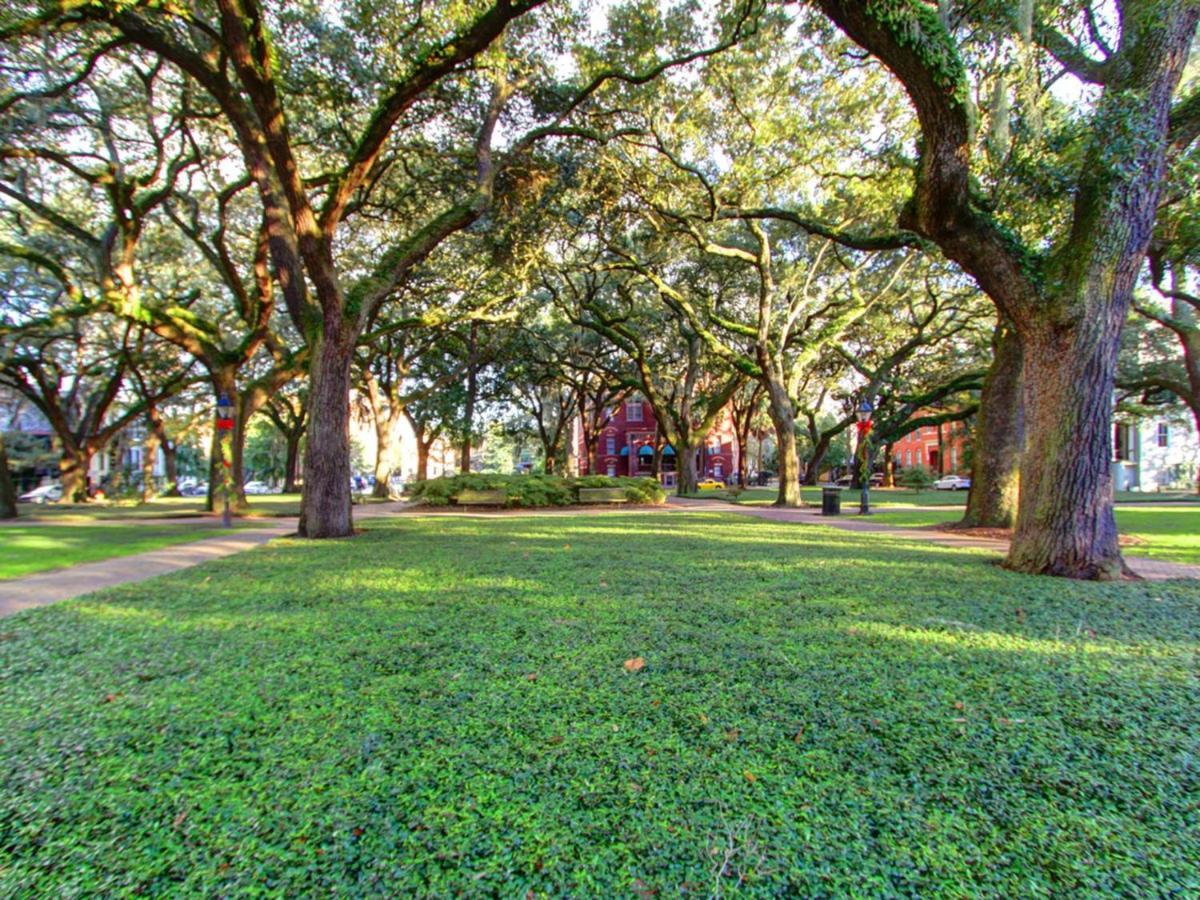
<point x="999" y="437"/>
<point x="1068" y="303"/>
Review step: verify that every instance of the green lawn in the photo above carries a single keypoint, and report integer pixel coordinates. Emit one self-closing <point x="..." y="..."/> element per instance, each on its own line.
<point x="1162" y="532"/>
<point x="444" y="706"/>
<point x="261" y="505"/>
<point x="879" y="497"/>
<point x="37" y="548"/>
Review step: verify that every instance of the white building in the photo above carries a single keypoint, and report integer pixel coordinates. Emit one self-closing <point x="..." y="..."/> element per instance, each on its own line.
<point x="1155" y="454"/>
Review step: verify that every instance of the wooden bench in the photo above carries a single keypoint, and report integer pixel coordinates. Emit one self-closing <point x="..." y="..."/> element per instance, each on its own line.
<point x="602" y="495"/>
<point x="482" y="498"/>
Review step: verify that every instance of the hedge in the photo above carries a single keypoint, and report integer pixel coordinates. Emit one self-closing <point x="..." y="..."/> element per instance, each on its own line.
<point x="533" y="491"/>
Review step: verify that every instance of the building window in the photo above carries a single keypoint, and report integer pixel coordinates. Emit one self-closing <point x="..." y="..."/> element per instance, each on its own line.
<point x="1124" y="444"/>
<point x="612" y="445"/>
<point x="633" y="411"/>
<point x="907" y="458"/>
<point x="1164" y="434"/>
<point x="612" y="470"/>
<point x="716" y="470"/>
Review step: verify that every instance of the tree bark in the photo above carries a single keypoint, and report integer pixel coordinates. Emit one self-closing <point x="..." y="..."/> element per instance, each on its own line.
<point x="8" y="490"/>
<point x="1065" y="523"/>
<point x="291" y="466"/>
<point x="383" y="457"/>
<point x="889" y="466"/>
<point x="149" y="457"/>
<point x="423" y="459"/>
<point x="73" y="470"/>
<point x="325" y="507"/>
<point x="779" y="407"/>
<point x="685" y="465"/>
<point x="999" y="438"/>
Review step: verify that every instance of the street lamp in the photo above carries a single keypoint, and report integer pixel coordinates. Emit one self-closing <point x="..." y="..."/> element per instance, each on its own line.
<point x="863" y="413"/>
<point x="224" y="427"/>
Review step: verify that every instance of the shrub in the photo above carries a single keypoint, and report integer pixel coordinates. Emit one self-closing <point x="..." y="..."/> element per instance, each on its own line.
<point x="533" y="491"/>
<point x="917" y="478"/>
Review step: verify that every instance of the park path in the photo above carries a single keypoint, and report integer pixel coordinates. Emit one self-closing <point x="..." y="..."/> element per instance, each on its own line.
<point x="1150" y="569"/>
<point x="17" y="594"/>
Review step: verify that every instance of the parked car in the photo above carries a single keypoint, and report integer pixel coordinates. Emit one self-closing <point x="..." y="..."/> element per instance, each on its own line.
<point x="952" y="483"/>
<point x="876" y="479"/>
<point x="710" y="484"/>
<point x="258" y="487"/>
<point x="47" y="493"/>
<point x="195" y="489"/>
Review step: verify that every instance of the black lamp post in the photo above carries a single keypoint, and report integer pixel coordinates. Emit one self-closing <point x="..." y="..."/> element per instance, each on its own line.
<point x="224" y="427"/>
<point x="864" y="429"/>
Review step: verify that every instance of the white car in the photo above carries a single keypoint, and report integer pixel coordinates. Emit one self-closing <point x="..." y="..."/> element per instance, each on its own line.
<point x="952" y="483"/>
<point x="258" y="487"/>
<point x="47" y="493"/>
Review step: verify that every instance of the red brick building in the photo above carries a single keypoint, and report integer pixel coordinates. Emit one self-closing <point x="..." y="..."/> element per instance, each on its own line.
<point x="626" y="447"/>
<point x="941" y="455"/>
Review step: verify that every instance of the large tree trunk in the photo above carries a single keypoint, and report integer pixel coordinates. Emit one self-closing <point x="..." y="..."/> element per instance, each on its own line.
<point x="889" y="465"/>
<point x="73" y="469"/>
<point x="779" y="406"/>
<point x="8" y="490"/>
<point x="685" y="464"/>
<point x="1065" y="523"/>
<point x="999" y="437"/>
<point x="325" y="508"/>
<point x="816" y="459"/>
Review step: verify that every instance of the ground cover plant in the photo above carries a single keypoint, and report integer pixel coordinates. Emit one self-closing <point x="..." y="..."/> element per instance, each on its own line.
<point x="648" y="704"/>
<point x="533" y="491"/>
<point x="38" y="548"/>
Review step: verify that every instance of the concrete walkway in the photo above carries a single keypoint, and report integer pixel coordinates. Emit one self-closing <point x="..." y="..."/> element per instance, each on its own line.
<point x="62" y="584"/>
<point x="1150" y="569"/>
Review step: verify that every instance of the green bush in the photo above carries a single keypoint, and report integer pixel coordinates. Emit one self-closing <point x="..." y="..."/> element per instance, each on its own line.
<point x="917" y="478"/>
<point x="533" y="491"/>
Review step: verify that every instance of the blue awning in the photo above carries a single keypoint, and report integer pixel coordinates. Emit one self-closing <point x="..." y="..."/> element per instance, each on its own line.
<point x="668" y="450"/>
<point x="624" y="451"/>
<point x="645" y="450"/>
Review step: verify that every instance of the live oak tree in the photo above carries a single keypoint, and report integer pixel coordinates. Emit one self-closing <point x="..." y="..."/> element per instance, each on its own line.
<point x="318" y="139"/>
<point x="1065" y="292"/>
<point x="114" y="175"/>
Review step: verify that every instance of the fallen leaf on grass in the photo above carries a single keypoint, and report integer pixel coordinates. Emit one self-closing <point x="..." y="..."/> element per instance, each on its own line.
<point x="636" y="664"/>
<point x="750" y="776"/>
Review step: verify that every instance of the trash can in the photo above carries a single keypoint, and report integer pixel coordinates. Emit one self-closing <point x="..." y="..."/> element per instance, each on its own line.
<point x="831" y="500"/>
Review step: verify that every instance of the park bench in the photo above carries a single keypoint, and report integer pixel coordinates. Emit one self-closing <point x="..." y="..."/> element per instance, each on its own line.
<point x="602" y="495"/>
<point x="482" y="498"/>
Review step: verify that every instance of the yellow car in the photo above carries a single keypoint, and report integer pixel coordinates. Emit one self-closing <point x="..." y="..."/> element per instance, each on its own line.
<point x="709" y="484"/>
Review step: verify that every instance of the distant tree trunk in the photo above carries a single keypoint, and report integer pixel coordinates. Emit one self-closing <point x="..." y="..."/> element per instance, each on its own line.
<point x="224" y="382"/>
<point x="464" y="463"/>
<point x="889" y="465"/>
<point x="685" y="463"/>
<point x="169" y="451"/>
<point x="291" y="466"/>
<point x="150" y="447"/>
<point x="73" y="469"/>
<point x="383" y="458"/>
<point x="783" y="417"/>
<point x="999" y="437"/>
<point x="8" y="491"/>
